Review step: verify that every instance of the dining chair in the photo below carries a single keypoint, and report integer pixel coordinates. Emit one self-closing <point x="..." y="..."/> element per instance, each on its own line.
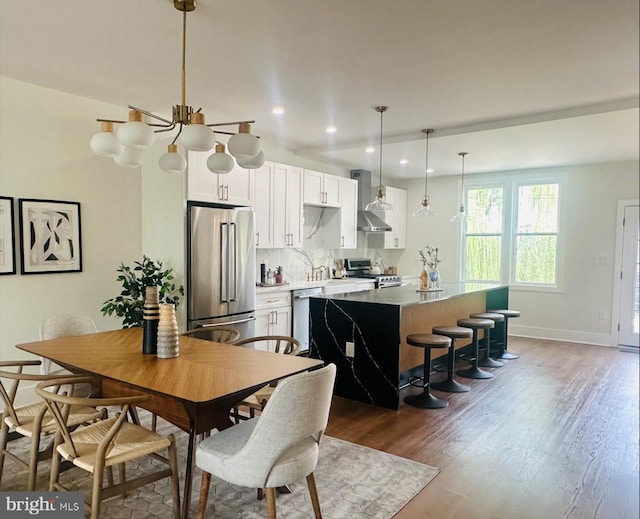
<point x="277" y="448"/>
<point x="32" y="420"/>
<point x="224" y="334"/>
<point x="113" y="441"/>
<point x="56" y="326"/>
<point x="282" y="344"/>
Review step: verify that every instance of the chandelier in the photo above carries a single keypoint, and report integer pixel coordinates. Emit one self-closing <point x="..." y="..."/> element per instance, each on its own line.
<point x="127" y="145"/>
<point x="380" y="203"/>
<point x="425" y="208"/>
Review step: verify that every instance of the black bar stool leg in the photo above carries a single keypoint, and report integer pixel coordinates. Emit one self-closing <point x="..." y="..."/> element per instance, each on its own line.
<point x="507" y="355"/>
<point x="486" y="361"/>
<point x="425" y="399"/>
<point x="474" y="371"/>
<point x="450" y="385"/>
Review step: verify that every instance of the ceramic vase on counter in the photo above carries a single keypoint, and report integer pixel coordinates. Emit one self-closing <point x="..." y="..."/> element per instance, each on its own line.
<point x="150" y="317"/>
<point x="168" y="336"/>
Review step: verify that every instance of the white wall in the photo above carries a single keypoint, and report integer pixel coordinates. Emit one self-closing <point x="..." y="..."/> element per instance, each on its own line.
<point x="590" y="204"/>
<point x="44" y="153"/>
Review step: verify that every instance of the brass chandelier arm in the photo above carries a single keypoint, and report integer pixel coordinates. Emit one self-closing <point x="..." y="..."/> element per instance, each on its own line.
<point x="230" y="124"/>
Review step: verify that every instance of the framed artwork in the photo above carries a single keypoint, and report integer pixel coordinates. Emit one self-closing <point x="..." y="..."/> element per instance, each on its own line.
<point x="7" y="237"/>
<point x="49" y="236"/>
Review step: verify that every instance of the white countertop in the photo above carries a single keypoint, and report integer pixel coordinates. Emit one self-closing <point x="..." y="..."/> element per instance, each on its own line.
<point x="298" y="285"/>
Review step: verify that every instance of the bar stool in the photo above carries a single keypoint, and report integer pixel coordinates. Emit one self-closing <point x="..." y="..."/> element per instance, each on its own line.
<point x="427" y="341"/>
<point x="486" y="361"/>
<point x="508" y="314"/>
<point x="449" y="385"/>
<point x="475" y="324"/>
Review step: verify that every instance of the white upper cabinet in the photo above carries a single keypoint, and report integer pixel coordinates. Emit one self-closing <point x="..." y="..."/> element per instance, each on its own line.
<point x="234" y="188"/>
<point x="321" y="189"/>
<point x="349" y="213"/>
<point x="262" y="205"/>
<point x="287" y="206"/>
<point x="396" y="218"/>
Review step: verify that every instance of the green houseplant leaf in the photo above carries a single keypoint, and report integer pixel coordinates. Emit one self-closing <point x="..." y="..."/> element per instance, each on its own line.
<point x="134" y="279"/>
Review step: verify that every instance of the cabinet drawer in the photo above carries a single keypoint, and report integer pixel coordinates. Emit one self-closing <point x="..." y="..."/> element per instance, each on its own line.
<point x="273" y="299"/>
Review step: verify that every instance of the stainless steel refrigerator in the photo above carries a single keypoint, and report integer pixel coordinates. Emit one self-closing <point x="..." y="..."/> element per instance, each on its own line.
<point x="221" y="267"/>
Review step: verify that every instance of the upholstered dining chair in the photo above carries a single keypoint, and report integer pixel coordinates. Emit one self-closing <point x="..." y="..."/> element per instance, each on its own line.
<point x="32" y="420"/>
<point x="277" y="448"/>
<point x="113" y="441"/>
<point x="56" y="326"/>
<point x="282" y="344"/>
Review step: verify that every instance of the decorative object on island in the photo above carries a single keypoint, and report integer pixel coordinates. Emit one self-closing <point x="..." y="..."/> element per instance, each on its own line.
<point x="380" y="203"/>
<point x="278" y="275"/>
<point x="150" y="316"/>
<point x="425" y="209"/>
<point x="127" y="148"/>
<point x="429" y="277"/>
<point x="7" y="239"/>
<point x="168" y="336"/>
<point x="129" y="304"/>
<point x="49" y="236"/>
<point x="461" y="216"/>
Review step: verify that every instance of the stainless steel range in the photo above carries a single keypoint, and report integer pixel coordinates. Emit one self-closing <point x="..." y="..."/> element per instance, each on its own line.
<point x="361" y="268"/>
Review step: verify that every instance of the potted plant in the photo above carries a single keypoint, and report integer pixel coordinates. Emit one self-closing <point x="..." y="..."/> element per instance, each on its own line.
<point x="128" y="305"/>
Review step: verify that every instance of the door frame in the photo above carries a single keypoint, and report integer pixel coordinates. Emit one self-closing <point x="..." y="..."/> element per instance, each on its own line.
<point x="617" y="268"/>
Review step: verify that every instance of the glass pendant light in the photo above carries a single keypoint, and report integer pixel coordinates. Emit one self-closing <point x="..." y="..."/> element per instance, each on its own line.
<point x="461" y="216"/>
<point x="425" y="209"/>
<point x="380" y="204"/>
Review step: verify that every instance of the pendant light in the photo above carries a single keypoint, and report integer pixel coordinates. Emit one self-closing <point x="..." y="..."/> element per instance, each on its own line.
<point x="425" y="209"/>
<point x="461" y="216"/>
<point x="380" y="204"/>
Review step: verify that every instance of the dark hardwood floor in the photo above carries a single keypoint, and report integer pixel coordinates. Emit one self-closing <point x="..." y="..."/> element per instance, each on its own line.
<point x="553" y="435"/>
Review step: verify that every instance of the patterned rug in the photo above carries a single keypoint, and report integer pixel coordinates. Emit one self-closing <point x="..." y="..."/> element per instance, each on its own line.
<point x="354" y="482"/>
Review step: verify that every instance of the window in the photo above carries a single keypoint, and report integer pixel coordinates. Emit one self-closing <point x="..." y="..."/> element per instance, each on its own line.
<point x="511" y="234"/>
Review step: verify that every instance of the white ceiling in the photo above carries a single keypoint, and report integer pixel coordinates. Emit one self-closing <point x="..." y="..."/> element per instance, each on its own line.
<point x="516" y="83"/>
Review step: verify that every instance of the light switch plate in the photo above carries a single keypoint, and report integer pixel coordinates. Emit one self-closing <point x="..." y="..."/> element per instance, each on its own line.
<point x="350" y="349"/>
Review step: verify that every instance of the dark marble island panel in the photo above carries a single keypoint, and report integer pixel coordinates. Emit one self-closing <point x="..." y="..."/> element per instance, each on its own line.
<point x="377" y="323"/>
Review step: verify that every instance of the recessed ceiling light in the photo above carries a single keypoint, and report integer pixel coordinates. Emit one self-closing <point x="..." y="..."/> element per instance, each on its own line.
<point x="331" y="129"/>
<point x="277" y="110"/>
<point x="430" y="170"/>
<point x="404" y="161"/>
<point x="370" y="149"/>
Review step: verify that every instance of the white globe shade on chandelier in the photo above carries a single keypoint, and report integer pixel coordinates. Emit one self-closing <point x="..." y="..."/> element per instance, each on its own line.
<point x="130" y="157"/>
<point x="135" y="133"/>
<point x="196" y="136"/>
<point x="243" y="145"/>
<point x="219" y="162"/>
<point x="104" y="143"/>
<point x="252" y="163"/>
<point x="172" y="161"/>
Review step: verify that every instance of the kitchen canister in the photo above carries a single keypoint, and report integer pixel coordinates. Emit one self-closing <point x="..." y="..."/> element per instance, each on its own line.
<point x="168" y="336"/>
<point x="150" y="317"/>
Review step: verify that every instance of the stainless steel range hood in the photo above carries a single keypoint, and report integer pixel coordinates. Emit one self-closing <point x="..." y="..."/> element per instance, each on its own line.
<point x="368" y="221"/>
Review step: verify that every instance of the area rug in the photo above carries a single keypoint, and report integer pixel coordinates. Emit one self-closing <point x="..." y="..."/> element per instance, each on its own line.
<point x="354" y="482"/>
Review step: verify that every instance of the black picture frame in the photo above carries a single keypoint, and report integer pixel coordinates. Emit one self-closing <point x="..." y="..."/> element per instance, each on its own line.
<point x="50" y="236"/>
<point x="7" y="237"/>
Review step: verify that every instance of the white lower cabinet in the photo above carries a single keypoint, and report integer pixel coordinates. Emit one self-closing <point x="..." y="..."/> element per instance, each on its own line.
<point x="273" y="315"/>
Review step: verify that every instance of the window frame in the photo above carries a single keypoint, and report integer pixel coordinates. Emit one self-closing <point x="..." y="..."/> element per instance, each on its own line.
<point x="510" y="184"/>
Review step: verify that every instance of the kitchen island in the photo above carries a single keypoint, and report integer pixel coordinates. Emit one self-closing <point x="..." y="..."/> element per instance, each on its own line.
<point x="364" y="333"/>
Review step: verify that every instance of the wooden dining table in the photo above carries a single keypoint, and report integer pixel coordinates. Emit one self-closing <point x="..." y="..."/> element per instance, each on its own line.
<point x="194" y="391"/>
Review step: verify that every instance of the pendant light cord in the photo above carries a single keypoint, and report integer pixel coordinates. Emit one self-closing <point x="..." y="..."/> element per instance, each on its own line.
<point x="380" y="166"/>
<point x="462" y="154"/>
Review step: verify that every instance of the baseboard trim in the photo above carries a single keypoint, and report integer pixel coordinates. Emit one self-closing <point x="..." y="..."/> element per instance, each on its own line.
<point x="535" y="332"/>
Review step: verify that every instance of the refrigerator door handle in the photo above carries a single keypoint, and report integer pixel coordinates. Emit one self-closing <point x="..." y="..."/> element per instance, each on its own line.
<point x="238" y="321"/>
<point x="233" y="253"/>
<point x="224" y="259"/>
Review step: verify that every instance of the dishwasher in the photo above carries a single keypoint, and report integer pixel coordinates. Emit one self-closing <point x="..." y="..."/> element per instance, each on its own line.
<point x="300" y="314"/>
